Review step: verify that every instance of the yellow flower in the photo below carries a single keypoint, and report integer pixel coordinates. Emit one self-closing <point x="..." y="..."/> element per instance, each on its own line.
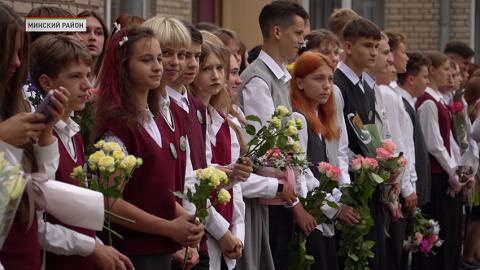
<point x="299" y="124"/>
<point x="282" y="111"/>
<point x="224" y="196"/>
<point x="129" y="162"/>
<point x="139" y="162"/>
<point x="214" y="180"/>
<point x="205" y="174"/>
<point x="111" y="146"/>
<point x="276" y="122"/>
<point x="291" y="130"/>
<point x="16" y="186"/>
<point x="106" y="163"/>
<point x="99" y="144"/>
<point x="94" y="158"/>
<point x="290" y="123"/>
<point x="118" y="155"/>
<point x="223" y="176"/>
<point x="77" y="172"/>
<point x="296" y="147"/>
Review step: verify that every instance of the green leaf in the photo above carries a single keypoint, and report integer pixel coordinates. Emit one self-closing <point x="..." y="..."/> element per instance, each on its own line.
<point x="375" y="177"/>
<point x="250" y="130"/>
<point x="332" y="204"/>
<point x="353" y="257"/>
<point x="254" y="118"/>
<point x="180" y="195"/>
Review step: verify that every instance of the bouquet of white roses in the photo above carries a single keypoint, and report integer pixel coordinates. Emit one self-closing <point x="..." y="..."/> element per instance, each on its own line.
<point x="109" y="170"/>
<point x="12" y="185"/>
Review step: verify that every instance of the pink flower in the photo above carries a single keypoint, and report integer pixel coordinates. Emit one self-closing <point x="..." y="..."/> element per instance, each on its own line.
<point x="425" y="246"/>
<point x="383" y="154"/>
<point x="369" y="163"/>
<point x="323" y="167"/>
<point x="334" y="173"/>
<point x="356" y="163"/>
<point x="456" y="106"/>
<point x="432" y="238"/>
<point x="402" y="161"/>
<point x="389" y="146"/>
<point x="418" y="238"/>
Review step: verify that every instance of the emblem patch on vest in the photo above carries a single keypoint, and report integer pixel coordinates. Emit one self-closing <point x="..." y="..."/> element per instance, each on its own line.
<point x="173" y="151"/>
<point x="199" y="117"/>
<point x="183" y="143"/>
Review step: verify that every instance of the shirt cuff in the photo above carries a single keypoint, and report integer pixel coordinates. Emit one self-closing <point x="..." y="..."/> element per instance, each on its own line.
<point x="85" y="245"/>
<point x="47" y="152"/>
<point x="272" y="187"/>
<point x="216" y="226"/>
<point x="297" y="201"/>
<point x="407" y="190"/>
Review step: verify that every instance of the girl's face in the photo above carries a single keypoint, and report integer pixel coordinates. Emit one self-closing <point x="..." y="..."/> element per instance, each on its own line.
<point x="15" y="62"/>
<point x="331" y="51"/>
<point x="440" y="75"/>
<point x="317" y="86"/>
<point x="94" y="37"/>
<point x="173" y="62"/>
<point x="211" y="77"/>
<point x="145" y="64"/>
<point x="234" y="76"/>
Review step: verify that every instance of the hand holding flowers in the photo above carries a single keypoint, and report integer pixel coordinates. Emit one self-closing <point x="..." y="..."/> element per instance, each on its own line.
<point x="423" y="235"/>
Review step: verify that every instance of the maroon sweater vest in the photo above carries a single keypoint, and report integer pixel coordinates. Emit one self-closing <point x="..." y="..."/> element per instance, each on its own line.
<point x="222" y="155"/>
<point x="21" y="250"/>
<point x="65" y="168"/>
<point x="445" y="125"/>
<point x="151" y="186"/>
<point x="175" y="137"/>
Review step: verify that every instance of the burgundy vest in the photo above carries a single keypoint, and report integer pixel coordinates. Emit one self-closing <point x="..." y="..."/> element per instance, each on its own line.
<point x="196" y="122"/>
<point x="445" y="125"/>
<point x="65" y="168"/>
<point x="150" y="188"/>
<point x="222" y="155"/>
<point x="21" y="250"/>
<point x="175" y="138"/>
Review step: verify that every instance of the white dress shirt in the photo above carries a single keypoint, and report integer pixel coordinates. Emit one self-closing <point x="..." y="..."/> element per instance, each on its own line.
<point x="351" y="75"/>
<point x="396" y="114"/>
<point x="66" y="131"/>
<point x="428" y="117"/>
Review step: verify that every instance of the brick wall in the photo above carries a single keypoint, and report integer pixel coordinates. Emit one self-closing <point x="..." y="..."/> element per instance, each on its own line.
<point x="181" y="9"/>
<point x="420" y="21"/>
<point x="22" y="7"/>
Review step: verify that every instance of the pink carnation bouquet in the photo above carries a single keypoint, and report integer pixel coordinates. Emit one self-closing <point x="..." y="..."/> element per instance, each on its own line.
<point x="423" y="235"/>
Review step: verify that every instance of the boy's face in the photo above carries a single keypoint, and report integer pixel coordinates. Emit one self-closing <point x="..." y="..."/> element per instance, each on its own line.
<point x="363" y="52"/>
<point x="290" y="38"/>
<point x="173" y="62"/>
<point x="419" y="82"/>
<point x="192" y="58"/>
<point x="400" y="58"/>
<point x="75" y="78"/>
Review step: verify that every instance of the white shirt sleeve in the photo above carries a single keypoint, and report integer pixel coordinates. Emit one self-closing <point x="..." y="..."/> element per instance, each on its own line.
<point x="258" y="186"/>
<point x="476" y="129"/>
<point x="238" y="217"/>
<point x="408" y="143"/>
<point x="61" y="240"/>
<point x="344" y="153"/>
<point x="48" y="158"/>
<point x="428" y="117"/>
<point x="257" y="100"/>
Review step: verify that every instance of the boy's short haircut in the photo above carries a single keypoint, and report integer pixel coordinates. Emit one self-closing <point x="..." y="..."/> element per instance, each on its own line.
<point x="47" y="11"/>
<point x="169" y="31"/>
<point x="279" y="13"/>
<point x="358" y="28"/>
<point x="436" y="58"/>
<point x="395" y="38"/>
<point x="339" y="18"/>
<point x="253" y="53"/>
<point x="460" y="48"/>
<point x="317" y="38"/>
<point x="416" y="61"/>
<point x="195" y="34"/>
<point x="49" y="54"/>
<point x="206" y="26"/>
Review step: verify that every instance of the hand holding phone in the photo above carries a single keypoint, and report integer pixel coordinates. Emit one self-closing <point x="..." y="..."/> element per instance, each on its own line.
<point x="43" y="106"/>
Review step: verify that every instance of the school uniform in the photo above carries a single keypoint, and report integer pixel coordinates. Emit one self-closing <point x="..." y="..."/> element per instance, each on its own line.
<point x="359" y="99"/>
<point x="150" y="189"/>
<point x="321" y="243"/>
<point x="437" y="129"/>
<point x="223" y="149"/>
<point x="71" y="156"/>
<point x="264" y="87"/>
<point x="192" y="113"/>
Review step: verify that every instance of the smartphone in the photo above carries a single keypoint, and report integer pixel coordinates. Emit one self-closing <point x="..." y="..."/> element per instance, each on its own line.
<point x="43" y="106"/>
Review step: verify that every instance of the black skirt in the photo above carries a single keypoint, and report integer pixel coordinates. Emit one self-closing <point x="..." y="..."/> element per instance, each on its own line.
<point x="323" y="249"/>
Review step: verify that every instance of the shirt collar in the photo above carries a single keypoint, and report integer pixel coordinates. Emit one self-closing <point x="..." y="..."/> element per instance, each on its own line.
<point x="164" y="101"/>
<point x="280" y="72"/>
<point x="406" y="95"/>
<point x="435" y="94"/>
<point x="68" y="128"/>
<point x="369" y="80"/>
<point x="175" y="95"/>
<point x="349" y="73"/>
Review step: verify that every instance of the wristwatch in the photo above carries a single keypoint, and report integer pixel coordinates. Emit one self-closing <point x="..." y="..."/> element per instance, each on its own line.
<point x="280" y="187"/>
